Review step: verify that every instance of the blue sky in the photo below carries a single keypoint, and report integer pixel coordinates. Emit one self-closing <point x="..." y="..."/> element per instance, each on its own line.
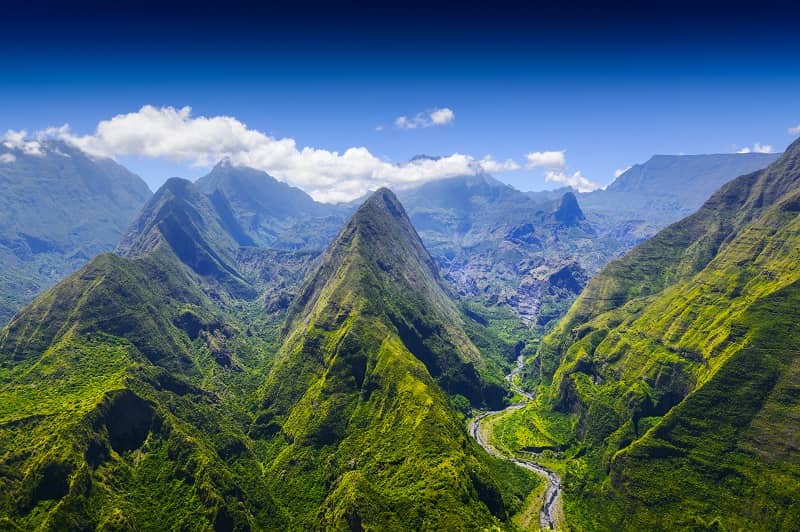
<point x="610" y="87"/>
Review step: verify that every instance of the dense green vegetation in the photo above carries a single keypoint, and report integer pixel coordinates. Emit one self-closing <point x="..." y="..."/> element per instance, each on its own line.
<point x="677" y="370"/>
<point x="145" y="392"/>
<point x="115" y="408"/>
<point x="353" y="399"/>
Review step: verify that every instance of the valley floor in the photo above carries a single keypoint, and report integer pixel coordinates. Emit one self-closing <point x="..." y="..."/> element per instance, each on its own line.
<point x="547" y="502"/>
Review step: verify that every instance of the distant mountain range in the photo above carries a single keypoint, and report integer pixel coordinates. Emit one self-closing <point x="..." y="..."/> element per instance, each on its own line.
<point x="59" y="208"/>
<point x="649" y="196"/>
<point x="497" y="245"/>
<point x="530" y="252"/>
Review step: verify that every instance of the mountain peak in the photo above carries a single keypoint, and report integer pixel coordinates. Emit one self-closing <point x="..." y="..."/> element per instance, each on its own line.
<point x="202" y="234"/>
<point x="374" y="341"/>
<point x="379" y="232"/>
<point x="569" y="212"/>
<point x="383" y="192"/>
<point x="385" y="199"/>
<point x="223" y="163"/>
<point x="178" y="186"/>
<point x="259" y="197"/>
<point x="370" y="269"/>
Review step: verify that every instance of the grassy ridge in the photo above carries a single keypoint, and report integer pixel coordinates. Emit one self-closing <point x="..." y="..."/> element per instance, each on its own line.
<point x="676" y="367"/>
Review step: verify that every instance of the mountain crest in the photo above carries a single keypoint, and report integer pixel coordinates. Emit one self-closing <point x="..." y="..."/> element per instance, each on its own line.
<point x="201" y="232"/>
<point x="569" y="212"/>
<point x="274" y="213"/>
<point x="378" y="270"/>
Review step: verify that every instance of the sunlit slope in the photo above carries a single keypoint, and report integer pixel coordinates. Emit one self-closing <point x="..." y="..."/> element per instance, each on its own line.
<point x="364" y="431"/>
<point x="693" y="333"/>
<point x="111" y="414"/>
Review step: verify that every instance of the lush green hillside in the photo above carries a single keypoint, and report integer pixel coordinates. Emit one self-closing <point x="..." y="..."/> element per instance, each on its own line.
<point x="59" y="208"/>
<point x="143" y="391"/>
<point x="124" y="394"/>
<point x="356" y="403"/>
<point x="677" y="368"/>
<point x="196" y="380"/>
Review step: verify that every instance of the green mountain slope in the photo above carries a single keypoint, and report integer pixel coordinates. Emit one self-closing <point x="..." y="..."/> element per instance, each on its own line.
<point x="363" y="433"/>
<point x="123" y="390"/>
<point x="203" y="236"/>
<point x="143" y="391"/>
<point x="59" y="208"/>
<point x="678" y="365"/>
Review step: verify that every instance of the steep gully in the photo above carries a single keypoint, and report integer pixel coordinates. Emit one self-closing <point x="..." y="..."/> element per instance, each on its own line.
<point x="552" y="495"/>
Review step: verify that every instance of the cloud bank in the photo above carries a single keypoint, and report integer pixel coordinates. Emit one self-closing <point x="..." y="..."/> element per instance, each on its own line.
<point x="574" y="180"/>
<point x="794" y="130"/>
<point x="757" y="148"/>
<point x="175" y="134"/>
<point x="179" y="136"/>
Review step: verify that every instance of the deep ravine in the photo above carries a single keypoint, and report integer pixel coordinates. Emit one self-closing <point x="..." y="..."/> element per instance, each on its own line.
<point x="552" y="496"/>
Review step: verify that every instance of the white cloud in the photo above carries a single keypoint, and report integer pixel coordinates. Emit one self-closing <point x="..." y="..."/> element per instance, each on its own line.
<point x="555" y="164"/>
<point x="7" y="158"/>
<point x="575" y="180"/>
<point x="490" y="166"/>
<point x="17" y="140"/>
<point x="757" y="148"/>
<point x="440" y="117"/>
<point x="546" y="159"/>
<point x="434" y="117"/>
<point x="177" y="135"/>
<point x="621" y="171"/>
<point x="795" y="130"/>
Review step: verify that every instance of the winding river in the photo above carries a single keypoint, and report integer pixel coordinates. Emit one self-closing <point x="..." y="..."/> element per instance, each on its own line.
<point x="552" y="495"/>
